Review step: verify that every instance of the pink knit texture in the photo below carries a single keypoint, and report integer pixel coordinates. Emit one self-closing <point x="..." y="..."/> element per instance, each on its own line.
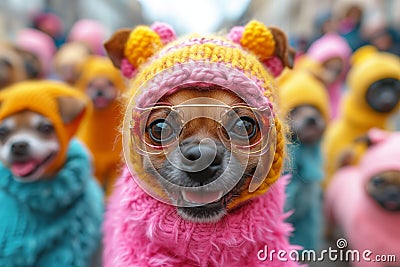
<point x="366" y="225"/>
<point x="141" y="231"/>
<point x="165" y="83"/>
<point x="127" y="69"/>
<point x="235" y="34"/>
<point x="274" y="65"/>
<point x="40" y="44"/>
<point x="329" y="46"/>
<point x="165" y="31"/>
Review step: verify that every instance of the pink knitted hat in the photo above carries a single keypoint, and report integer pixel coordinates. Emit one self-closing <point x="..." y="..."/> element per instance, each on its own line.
<point x="40" y="44"/>
<point x="91" y="32"/>
<point x="383" y="155"/>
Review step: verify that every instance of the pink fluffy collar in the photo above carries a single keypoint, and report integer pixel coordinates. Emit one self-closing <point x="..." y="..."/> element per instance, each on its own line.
<point x="141" y="231"/>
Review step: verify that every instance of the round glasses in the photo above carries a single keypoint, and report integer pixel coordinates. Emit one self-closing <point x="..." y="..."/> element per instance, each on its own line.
<point x="242" y="129"/>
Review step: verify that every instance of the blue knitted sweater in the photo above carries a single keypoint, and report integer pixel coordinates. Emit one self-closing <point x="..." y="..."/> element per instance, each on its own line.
<point x="53" y="222"/>
<point x="304" y="194"/>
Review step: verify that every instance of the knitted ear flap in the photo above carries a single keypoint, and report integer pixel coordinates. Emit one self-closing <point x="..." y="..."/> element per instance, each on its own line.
<point x="128" y="49"/>
<point x="72" y="111"/>
<point x="269" y="44"/>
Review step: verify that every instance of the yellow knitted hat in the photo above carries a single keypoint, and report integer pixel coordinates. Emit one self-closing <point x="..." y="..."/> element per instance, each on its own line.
<point x="368" y="66"/>
<point x="298" y="87"/>
<point x="97" y="66"/>
<point x="244" y="62"/>
<point x="52" y="100"/>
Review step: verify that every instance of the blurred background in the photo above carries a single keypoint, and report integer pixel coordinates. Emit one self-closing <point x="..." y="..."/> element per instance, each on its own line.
<point x="302" y="20"/>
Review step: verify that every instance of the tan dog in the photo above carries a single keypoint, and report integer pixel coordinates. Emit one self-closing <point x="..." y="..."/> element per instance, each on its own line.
<point x="103" y="84"/>
<point x="12" y="66"/>
<point x="204" y="147"/>
<point x="68" y="61"/>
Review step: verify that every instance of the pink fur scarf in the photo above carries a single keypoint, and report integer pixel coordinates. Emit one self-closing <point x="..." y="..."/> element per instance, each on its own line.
<point x="141" y="231"/>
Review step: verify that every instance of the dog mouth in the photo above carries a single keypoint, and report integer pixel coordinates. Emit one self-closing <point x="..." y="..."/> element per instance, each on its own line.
<point x="201" y="197"/>
<point x="101" y="102"/>
<point x="27" y="168"/>
<point x="391" y="205"/>
<point x="207" y="207"/>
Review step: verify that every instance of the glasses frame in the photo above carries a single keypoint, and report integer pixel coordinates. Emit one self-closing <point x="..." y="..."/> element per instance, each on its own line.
<point x="137" y="113"/>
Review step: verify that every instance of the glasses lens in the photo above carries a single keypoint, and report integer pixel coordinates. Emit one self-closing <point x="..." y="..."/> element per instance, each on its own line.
<point x="246" y="129"/>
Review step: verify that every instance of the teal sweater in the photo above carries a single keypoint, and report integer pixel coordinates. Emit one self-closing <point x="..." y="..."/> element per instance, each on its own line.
<point x="53" y="222"/>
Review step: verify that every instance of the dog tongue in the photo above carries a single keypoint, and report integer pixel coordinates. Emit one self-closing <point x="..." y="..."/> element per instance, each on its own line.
<point x="201" y="197"/>
<point x="101" y="102"/>
<point x="22" y="169"/>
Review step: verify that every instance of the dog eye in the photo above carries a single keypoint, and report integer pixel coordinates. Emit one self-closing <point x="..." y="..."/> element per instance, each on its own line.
<point x="243" y="128"/>
<point x="46" y="129"/>
<point x="378" y="181"/>
<point x="161" y="131"/>
<point x="4" y="133"/>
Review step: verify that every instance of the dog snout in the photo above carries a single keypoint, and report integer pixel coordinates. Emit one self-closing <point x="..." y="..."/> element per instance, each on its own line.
<point x="393" y="193"/>
<point x="201" y="162"/>
<point x="19" y="149"/>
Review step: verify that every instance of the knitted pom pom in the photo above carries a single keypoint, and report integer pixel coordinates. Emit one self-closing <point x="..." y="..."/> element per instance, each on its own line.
<point x="258" y="39"/>
<point x="127" y="69"/>
<point x="235" y="34"/>
<point x="165" y="31"/>
<point x="274" y="65"/>
<point x="142" y="43"/>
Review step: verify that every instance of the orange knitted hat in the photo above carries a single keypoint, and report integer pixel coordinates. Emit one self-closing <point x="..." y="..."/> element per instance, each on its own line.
<point x="52" y="100"/>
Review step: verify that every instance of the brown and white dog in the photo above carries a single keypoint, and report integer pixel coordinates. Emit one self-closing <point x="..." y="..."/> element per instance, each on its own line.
<point x="46" y="182"/>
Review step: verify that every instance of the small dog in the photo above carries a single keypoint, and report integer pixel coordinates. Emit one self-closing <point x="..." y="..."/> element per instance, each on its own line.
<point x="384" y="188"/>
<point x="329" y="60"/>
<point x="68" y="61"/>
<point x="203" y="148"/>
<point x="363" y="201"/>
<point x="53" y="207"/>
<point x="12" y="66"/>
<point x="103" y="84"/>
<point x="305" y="102"/>
<point x="373" y="96"/>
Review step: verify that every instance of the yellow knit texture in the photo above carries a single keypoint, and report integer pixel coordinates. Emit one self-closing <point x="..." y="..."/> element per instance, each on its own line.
<point x="143" y="42"/>
<point x="258" y="39"/>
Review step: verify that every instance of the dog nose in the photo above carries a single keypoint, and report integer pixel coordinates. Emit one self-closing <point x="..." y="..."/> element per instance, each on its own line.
<point x="202" y="162"/>
<point x="100" y="93"/>
<point x="19" y="148"/>
<point x="311" y="121"/>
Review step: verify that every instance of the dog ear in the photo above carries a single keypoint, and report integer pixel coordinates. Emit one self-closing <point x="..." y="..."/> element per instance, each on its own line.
<point x="269" y="44"/>
<point x="282" y="50"/>
<point x="71" y="108"/>
<point x="115" y="46"/>
<point x="129" y="49"/>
